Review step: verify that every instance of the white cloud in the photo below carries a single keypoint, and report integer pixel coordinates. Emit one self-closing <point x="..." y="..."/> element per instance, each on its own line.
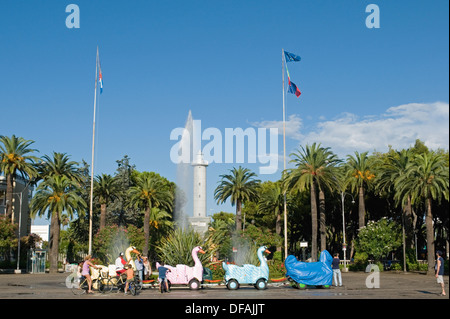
<point x="293" y="126"/>
<point x="398" y="126"/>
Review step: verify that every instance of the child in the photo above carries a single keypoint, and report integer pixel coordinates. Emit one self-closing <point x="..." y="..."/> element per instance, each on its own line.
<point x="162" y="277"/>
<point x="130" y="276"/>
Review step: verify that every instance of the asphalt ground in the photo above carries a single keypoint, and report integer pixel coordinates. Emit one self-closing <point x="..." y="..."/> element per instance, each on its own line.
<point x="247" y="300"/>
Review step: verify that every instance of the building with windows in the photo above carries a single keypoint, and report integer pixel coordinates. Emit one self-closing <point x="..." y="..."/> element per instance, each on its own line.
<point x="22" y="194"/>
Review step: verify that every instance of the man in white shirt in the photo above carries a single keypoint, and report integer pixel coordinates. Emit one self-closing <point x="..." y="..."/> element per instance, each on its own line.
<point x="120" y="262"/>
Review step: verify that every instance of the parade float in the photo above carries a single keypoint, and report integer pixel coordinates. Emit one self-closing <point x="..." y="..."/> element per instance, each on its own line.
<point x="185" y="275"/>
<point x="247" y="273"/>
<point x="303" y="274"/>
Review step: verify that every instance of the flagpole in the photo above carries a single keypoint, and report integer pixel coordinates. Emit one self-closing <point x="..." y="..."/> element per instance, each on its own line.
<point x="284" y="156"/>
<point x="92" y="161"/>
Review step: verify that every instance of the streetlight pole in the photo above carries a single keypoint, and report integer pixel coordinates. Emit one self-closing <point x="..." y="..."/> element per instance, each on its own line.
<point x="20" y="226"/>
<point x="17" y="271"/>
<point x="344" y="245"/>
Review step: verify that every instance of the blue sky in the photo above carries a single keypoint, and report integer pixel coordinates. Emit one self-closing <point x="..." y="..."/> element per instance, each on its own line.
<point x="362" y="89"/>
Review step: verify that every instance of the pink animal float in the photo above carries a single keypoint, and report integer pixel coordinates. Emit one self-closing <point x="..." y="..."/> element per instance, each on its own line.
<point x="185" y="275"/>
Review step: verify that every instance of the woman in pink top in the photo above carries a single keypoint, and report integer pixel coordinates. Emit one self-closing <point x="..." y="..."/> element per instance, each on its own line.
<point x="85" y="271"/>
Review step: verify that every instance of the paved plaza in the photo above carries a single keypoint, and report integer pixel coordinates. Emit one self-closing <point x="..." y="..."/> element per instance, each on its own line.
<point x="392" y="285"/>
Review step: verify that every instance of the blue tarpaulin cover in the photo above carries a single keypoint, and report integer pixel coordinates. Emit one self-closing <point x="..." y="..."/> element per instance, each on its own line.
<point x="311" y="274"/>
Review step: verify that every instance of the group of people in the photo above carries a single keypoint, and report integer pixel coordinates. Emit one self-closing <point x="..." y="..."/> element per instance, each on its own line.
<point x="142" y="264"/>
<point x="144" y="270"/>
<point x="124" y="268"/>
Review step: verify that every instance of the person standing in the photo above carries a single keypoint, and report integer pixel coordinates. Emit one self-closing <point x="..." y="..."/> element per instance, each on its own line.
<point x="130" y="276"/>
<point x="440" y="271"/>
<point x="85" y="271"/>
<point x="139" y="262"/>
<point x="147" y="268"/>
<point x="336" y="271"/>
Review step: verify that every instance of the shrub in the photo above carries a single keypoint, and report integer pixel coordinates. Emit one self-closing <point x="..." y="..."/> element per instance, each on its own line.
<point x="217" y="270"/>
<point x="112" y="240"/>
<point x="277" y="255"/>
<point x="360" y="262"/>
<point x="276" y="269"/>
<point x="379" y="238"/>
<point x="396" y="266"/>
<point x="177" y="247"/>
<point x="361" y="258"/>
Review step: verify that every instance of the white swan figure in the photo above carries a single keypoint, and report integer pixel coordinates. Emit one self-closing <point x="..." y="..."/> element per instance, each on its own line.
<point x="247" y="273"/>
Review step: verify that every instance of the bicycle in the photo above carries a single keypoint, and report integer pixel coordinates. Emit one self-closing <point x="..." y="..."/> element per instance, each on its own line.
<point x="132" y="287"/>
<point x="138" y="282"/>
<point x="78" y="286"/>
<point x="81" y="287"/>
<point x="119" y="282"/>
<point x="114" y="282"/>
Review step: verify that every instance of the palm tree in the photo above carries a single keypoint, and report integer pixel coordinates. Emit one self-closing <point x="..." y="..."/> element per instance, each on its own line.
<point x="60" y="165"/>
<point x="160" y="223"/>
<point x="15" y="158"/>
<point x="359" y="175"/>
<point x="219" y="235"/>
<point x="389" y="170"/>
<point x="149" y="191"/>
<point x="427" y="179"/>
<point x="271" y="200"/>
<point x="240" y="186"/>
<point x="314" y="169"/>
<point x="105" y="190"/>
<point x="55" y="195"/>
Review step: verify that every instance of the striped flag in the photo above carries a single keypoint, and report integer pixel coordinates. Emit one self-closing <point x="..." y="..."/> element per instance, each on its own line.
<point x="100" y="81"/>
<point x="292" y="87"/>
<point x="100" y="77"/>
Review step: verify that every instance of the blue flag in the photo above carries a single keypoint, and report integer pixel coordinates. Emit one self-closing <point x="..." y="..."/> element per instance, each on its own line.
<point x="291" y="57"/>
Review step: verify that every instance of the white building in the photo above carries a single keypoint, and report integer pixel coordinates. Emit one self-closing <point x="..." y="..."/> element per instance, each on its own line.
<point x="42" y="230"/>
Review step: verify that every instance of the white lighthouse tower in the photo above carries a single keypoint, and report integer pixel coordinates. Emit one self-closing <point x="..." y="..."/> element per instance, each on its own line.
<point x="199" y="221"/>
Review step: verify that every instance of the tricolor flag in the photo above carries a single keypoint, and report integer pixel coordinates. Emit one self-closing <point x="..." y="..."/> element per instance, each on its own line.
<point x="100" y="76"/>
<point x="100" y="79"/>
<point x="291" y="57"/>
<point x="292" y="87"/>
